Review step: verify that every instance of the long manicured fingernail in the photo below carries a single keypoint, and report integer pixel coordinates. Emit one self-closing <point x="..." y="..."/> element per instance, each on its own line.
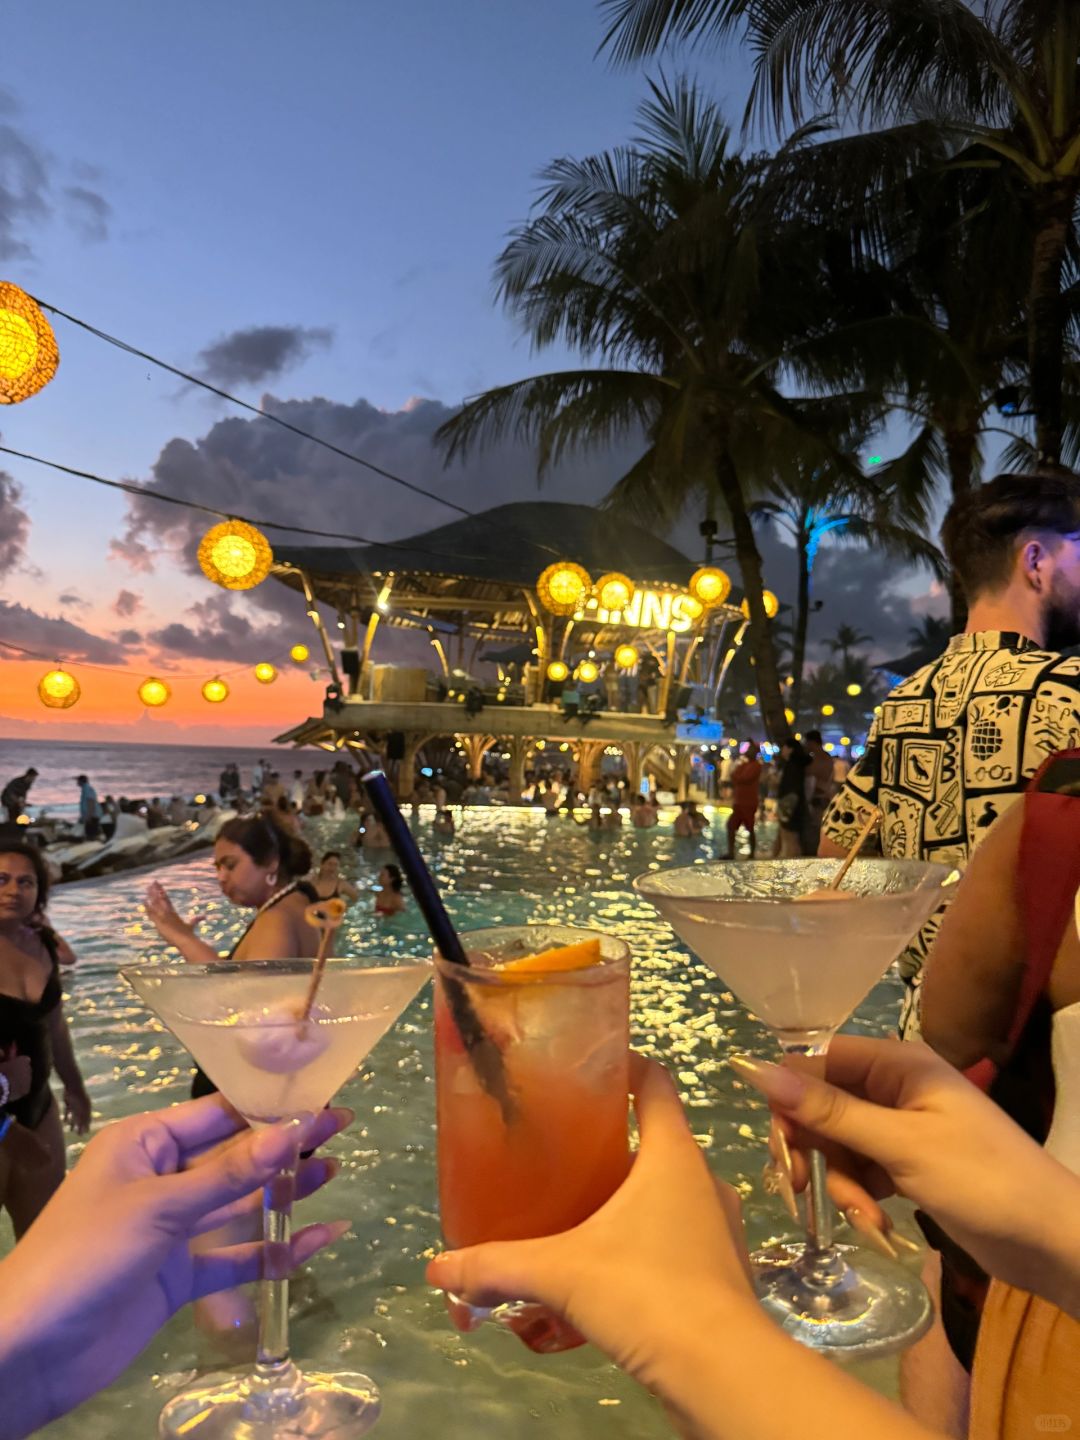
<point x="776" y="1082"/>
<point x="274" y="1143"/>
<point x="861" y="1222"/>
<point x="911" y="1246"/>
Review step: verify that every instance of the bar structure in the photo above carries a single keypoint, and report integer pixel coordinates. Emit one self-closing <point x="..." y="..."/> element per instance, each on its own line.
<point x="503" y="663"/>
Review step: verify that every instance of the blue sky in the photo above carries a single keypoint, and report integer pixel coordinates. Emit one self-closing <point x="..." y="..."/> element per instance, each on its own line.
<point x="200" y="169"/>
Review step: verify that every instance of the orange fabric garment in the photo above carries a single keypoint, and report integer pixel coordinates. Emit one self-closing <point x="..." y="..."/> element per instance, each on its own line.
<point x="1026" y="1380"/>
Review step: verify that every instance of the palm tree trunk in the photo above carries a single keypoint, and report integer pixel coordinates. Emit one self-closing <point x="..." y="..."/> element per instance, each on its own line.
<point x="802" y="620"/>
<point x="1046" y="316"/>
<point x="749" y="558"/>
<point x="960" y="446"/>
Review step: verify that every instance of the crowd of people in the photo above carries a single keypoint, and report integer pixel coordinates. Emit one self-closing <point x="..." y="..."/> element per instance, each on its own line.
<point x="976" y="1122"/>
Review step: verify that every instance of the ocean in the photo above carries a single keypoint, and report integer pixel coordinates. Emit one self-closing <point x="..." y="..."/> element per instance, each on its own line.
<point x="138" y="771"/>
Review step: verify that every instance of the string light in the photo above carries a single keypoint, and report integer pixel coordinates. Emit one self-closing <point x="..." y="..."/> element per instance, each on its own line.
<point x="853" y="689"/>
<point x="59" y="690"/>
<point x="626" y="656"/>
<point x="710" y="585"/>
<point x="558" y="670"/>
<point x="750" y="700"/>
<point x="154" y="692"/>
<point x="265" y="673"/>
<point x="235" y="555"/>
<point x="215" y="690"/>
<point x="614" y="591"/>
<point x="828" y="710"/>
<point x="28" y="350"/>
<point x="769" y="600"/>
<point x="563" y="586"/>
<point x="299" y="653"/>
<point x="587" y="672"/>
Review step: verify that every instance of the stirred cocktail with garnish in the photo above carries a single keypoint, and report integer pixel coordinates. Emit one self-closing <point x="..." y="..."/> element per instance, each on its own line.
<point x="277" y="1045"/>
<point x="535" y="1144"/>
<point x="802" y="958"/>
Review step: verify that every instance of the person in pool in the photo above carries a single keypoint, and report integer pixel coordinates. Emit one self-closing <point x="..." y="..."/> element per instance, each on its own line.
<point x="329" y="882"/>
<point x="259" y="867"/>
<point x="389" y="900"/>
<point x="32" y="1028"/>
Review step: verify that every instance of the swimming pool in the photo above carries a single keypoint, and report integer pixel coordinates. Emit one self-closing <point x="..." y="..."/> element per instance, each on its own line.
<point x="363" y="1304"/>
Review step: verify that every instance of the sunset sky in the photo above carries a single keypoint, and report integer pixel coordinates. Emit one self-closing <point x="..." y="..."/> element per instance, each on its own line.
<point x="301" y="203"/>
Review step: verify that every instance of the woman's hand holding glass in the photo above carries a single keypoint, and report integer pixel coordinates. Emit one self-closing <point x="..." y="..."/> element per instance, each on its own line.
<point x="108" y="1261"/>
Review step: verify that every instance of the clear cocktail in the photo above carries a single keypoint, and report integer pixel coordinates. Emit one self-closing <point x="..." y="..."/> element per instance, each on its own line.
<point x="533" y="1134"/>
<point x="244" y="1024"/>
<point x="802" y="962"/>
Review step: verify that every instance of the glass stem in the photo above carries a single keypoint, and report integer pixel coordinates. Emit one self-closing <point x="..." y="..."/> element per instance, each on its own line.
<point x="272" y="1363"/>
<point x="821" y="1220"/>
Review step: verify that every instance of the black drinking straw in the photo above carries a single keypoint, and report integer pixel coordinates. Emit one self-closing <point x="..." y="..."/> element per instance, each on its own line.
<point x="486" y="1057"/>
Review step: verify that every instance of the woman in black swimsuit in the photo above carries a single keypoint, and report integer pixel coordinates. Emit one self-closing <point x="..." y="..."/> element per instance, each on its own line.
<point x="32" y="1025"/>
<point x="258" y="866"/>
<point x="329" y="881"/>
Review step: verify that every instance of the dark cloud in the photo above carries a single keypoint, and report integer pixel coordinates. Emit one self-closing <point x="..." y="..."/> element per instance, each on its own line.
<point x="24" y="190"/>
<point x="127" y="603"/>
<point x="73" y="601"/>
<point x="53" y="636"/>
<point x="14" y="521"/>
<point x="128" y="637"/>
<point x="88" y="211"/>
<point x="219" y="633"/>
<point x="249" y="357"/>
<point x="133" y="552"/>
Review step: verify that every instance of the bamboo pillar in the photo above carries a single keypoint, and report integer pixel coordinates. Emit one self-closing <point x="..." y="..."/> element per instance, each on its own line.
<point x="519" y="751"/>
<point x="476" y="747"/>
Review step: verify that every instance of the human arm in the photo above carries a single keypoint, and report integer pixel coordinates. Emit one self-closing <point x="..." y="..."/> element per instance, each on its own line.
<point x="901" y="1120"/>
<point x="972" y="978"/>
<point x="163" y="916"/>
<point x="16" y="1071"/>
<point x="854" y="802"/>
<point x="108" y="1261"/>
<point x="77" y="1108"/>
<point x="657" y="1279"/>
<point x="279" y="934"/>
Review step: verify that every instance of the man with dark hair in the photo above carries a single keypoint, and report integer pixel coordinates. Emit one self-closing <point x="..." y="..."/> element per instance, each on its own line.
<point x="954" y="748"/>
<point x="956" y="744"/>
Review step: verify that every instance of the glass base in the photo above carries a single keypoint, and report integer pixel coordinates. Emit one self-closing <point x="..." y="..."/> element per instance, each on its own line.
<point x="535" y="1325"/>
<point x="314" y="1406"/>
<point x="849" y="1303"/>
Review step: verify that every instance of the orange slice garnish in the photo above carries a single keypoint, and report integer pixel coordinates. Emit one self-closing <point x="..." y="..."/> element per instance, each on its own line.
<point x="578" y="956"/>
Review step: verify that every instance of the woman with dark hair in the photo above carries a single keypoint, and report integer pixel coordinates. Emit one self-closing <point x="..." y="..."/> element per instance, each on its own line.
<point x="329" y="881"/>
<point x="791" y="807"/>
<point x="33" y="1036"/>
<point x="259" y="866"/>
<point x="389" y="900"/>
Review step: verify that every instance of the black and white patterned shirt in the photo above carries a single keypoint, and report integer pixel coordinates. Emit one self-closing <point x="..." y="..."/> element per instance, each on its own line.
<point x="952" y="750"/>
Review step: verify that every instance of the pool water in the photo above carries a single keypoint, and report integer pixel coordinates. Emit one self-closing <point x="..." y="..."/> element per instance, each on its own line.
<point x="363" y="1304"/>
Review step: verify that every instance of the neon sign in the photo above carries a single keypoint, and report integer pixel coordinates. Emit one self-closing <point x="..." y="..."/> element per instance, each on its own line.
<point x="649" y="610"/>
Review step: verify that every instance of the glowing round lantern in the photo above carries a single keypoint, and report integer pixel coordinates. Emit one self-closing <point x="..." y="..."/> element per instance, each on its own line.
<point x="827" y="710"/>
<point x="772" y="606"/>
<point x="789" y="716"/>
<point x="626" y="656"/>
<point x="853" y="689"/>
<point x="215" y="690"/>
<point x="265" y="673"/>
<point x="154" y="692"/>
<point x="28" y="353"/>
<point x="563" y="587"/>
<point x="587" y="672"/>
<point x="235" y="555"/>
<point x="558" y="670"/>
<point x="299" y="653"/>
<point x="710" y="585"/>
<point x="58" y="690"/>
<point x="750" y="699"/>
<point x="614" y="591"/>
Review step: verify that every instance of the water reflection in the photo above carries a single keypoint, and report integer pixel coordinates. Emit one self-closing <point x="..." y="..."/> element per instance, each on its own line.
<point x="364" y="1302"/>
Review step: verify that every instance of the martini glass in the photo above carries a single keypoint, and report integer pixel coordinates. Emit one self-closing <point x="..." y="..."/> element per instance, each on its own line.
<point x="240" y="1023"/>
<point x="802" y="967"/>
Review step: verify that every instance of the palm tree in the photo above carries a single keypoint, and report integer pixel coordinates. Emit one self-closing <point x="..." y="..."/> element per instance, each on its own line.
<point x="653" y="260"/>
<point x="1003" y="82"/>
<point x="815" y="505"/>
<point x="932" y="633"/>
<point x="847" y="639"/>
